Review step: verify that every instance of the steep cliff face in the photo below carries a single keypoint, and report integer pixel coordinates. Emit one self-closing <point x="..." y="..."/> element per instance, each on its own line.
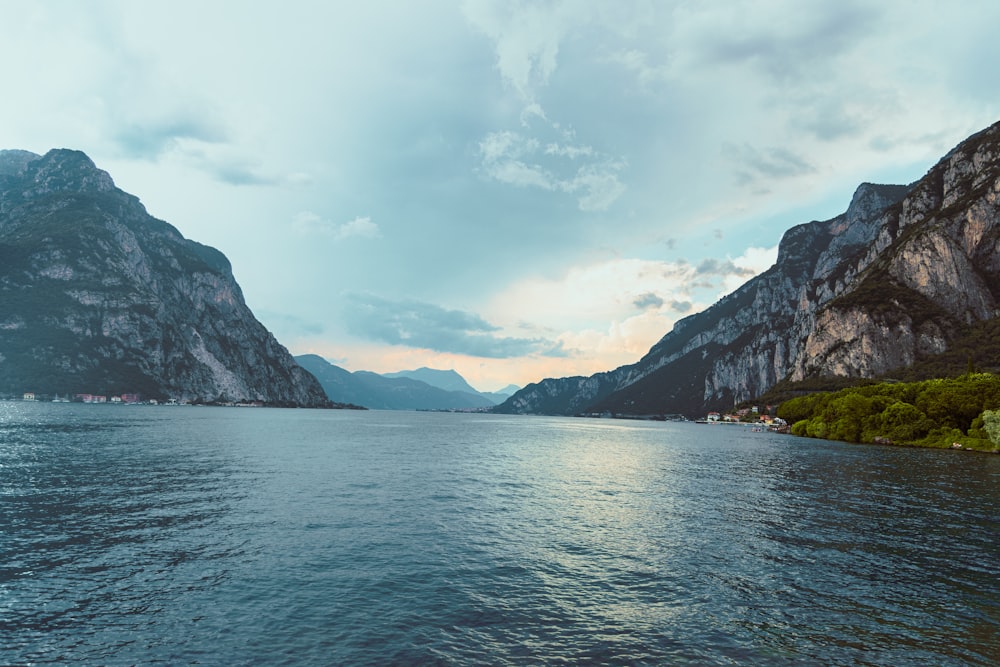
<point x="931" y="272"/>
<point x="97" y="296"/>
<point x="897" y="276"/>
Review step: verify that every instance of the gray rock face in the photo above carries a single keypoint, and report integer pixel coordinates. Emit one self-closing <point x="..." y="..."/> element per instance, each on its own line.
<point x="97" y="296"/>
<point x="897" y="276"/>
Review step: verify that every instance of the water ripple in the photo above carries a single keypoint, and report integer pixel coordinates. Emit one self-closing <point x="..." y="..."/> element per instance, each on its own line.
<point x="184" y="535"/>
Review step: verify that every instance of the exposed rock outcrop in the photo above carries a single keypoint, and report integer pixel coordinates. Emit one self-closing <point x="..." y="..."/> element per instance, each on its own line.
<point x="897" y="276"/>
<point x="98" y="296"/>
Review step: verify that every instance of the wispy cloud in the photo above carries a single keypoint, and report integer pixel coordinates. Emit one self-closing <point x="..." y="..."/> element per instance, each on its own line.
<point x="571" y="152"/>
<point x="637" y="62"/>
<point x="522" y="150"/>
<point x="726" y="267"/>
<point x="752" y="262"/>
<point x="234" y="173"/>
<point x="785" y="45"/>
<point x="151" y="138"/>
<point x="522" y="161"/>
<point x="597" y="184"/>
<point x="526" y="38"/>
<point x="308" y="223"/>
<point x="648" y="300"/>
<point x="754" y="165"/>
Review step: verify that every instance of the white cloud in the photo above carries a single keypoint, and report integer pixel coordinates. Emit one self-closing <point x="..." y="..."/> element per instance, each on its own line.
<point x="620" y="307"/>
<point x="753" y="261"/>
<point x="358" y="228"/>
<point x="515" y="159"/>
<point x="571" y="152"/>
<point x="530" y="111"/>
<point x="600" y="185"/>
<point x="525" y="37"/>
<point x="502" y="154"/>
<point x="506" y="145"/>
<point x="308" y="223"/>
<point x="514" y="138"/>
<point x="618" y="304"/>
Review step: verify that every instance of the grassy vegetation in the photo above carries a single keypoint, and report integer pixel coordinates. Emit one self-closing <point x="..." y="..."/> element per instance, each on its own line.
<point x="941" y="412"/>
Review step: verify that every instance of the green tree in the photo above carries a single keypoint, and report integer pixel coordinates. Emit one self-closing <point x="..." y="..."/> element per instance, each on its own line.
<point x="802" y="407"/>
<point x="846" y="416"/>
<point x="991" y="424"/>
<point x="930" y="413"/>
<point x="902" y="422"/>
<point x="956" y="402"/>
<point x="800" y="428"/>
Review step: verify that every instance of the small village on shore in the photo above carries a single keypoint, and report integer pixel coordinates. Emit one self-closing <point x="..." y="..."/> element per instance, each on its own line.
<point x="757" y="419"/>
<point x="122" y="399"/>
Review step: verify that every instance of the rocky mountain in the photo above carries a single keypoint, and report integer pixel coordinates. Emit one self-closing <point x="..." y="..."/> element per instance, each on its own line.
<point x="396" y="391"/>
<point x="97" y="296"/>
<point x="898" y="277"/>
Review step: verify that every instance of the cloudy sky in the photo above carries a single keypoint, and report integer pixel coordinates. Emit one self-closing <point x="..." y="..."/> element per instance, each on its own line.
<point x="515" y="190"/>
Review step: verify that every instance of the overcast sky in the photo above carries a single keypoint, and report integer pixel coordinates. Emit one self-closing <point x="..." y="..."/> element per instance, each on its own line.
<point x="515" y="190"/>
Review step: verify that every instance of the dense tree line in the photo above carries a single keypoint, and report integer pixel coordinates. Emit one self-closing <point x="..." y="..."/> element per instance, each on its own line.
<point x="942" y="412"/>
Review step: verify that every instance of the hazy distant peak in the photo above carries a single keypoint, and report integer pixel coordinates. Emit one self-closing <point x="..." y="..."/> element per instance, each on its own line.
<point x="448" y="380"/>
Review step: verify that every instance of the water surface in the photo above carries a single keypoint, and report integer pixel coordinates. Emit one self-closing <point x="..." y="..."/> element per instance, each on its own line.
<point x="182" y="535"/>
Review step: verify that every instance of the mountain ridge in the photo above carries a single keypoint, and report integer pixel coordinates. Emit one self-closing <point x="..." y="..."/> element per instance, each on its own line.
<point x="394" y="391"/>
<point x="895" y="277"/>
<point x="451" y="380"/>
<point x="97" y="296"/>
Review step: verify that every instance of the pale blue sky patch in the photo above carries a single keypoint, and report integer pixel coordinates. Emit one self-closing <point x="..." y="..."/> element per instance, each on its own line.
<point x="540" y="167"/>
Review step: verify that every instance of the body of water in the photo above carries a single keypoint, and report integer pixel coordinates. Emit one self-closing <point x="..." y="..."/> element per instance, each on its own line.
<point x="182" y="535"/>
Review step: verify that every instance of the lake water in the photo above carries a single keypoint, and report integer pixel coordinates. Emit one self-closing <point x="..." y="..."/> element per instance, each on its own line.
<point x="183" y="535"/>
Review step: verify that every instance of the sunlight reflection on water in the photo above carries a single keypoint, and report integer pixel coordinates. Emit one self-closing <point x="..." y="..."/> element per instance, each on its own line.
<point x="319" y="537"/>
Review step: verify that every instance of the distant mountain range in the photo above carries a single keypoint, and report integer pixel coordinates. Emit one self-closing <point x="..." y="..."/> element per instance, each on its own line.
<point x="450" y="380"/>
<point x="99" y="297"/>
<point x="420" y="389"/>
<point x="907" y="274"/>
